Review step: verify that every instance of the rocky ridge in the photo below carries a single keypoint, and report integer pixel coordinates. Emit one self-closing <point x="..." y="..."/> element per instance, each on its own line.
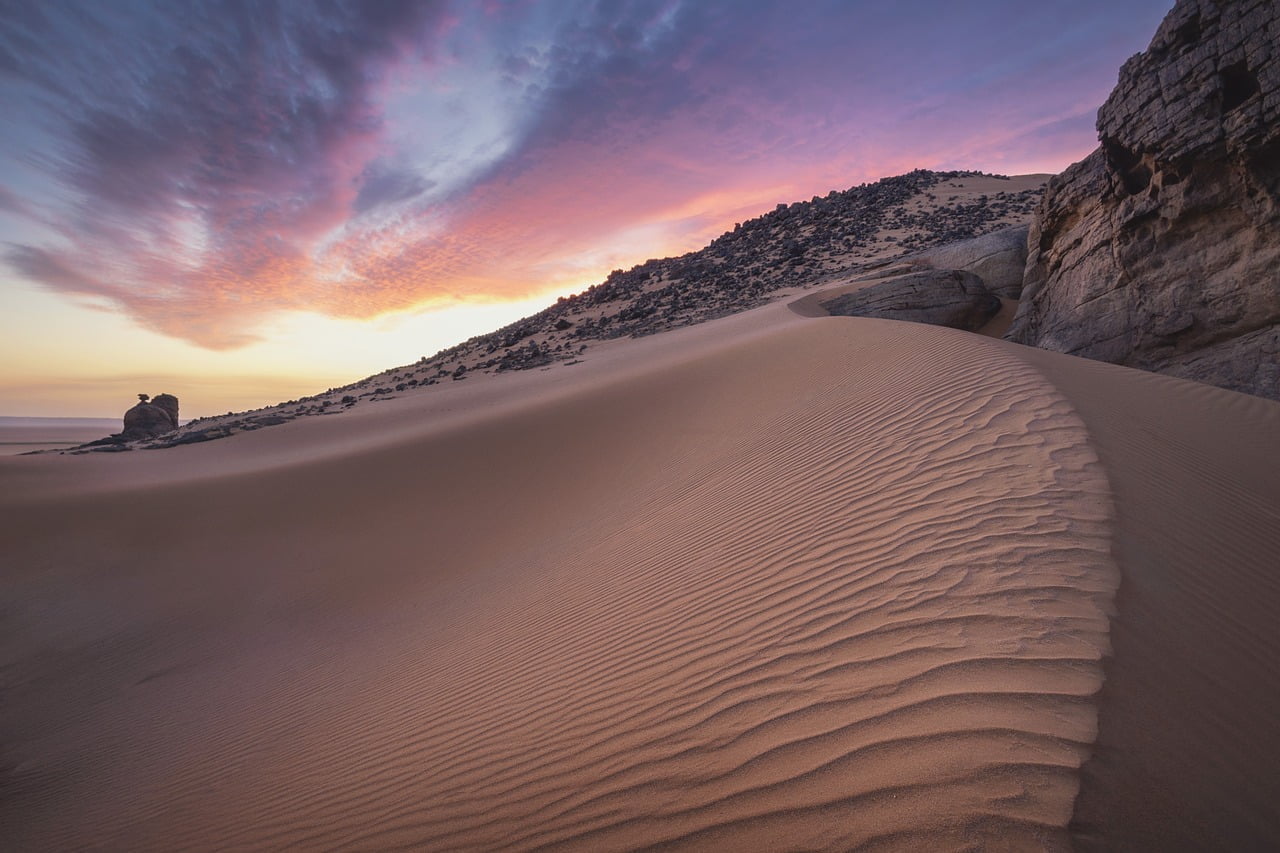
<point x="1160" y="249"/>
<point x="793" y="248"/>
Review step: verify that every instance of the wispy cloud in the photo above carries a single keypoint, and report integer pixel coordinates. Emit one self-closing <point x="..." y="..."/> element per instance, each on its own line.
<point x="210" y="148"/>
<point x="215" y="163"/>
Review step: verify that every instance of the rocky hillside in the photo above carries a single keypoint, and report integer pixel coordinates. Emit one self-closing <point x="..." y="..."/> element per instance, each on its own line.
<point x="792" y="248"/>
<point x="1161" y="249"/>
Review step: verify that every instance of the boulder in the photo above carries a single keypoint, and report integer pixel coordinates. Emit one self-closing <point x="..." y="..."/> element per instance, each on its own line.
<point x="953" y="298"/>
<point x="169" y="403"/>
<point x="1160" y="249"/>
<point x="998" y="258"/>
<point x="150" y="419"/>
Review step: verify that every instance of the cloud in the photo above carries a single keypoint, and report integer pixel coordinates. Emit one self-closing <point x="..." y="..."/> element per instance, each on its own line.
<point x="382" y="184"/>
<point x="210" y="147"/>
<point x="11" y="202"/>
<point x="219" y="162"/>
<point x="47" y="267"/>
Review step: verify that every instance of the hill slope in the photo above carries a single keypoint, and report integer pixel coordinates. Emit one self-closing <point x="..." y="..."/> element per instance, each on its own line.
<point x="795" y="247"/>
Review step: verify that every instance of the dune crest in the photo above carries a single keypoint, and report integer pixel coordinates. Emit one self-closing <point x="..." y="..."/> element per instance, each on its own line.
<point x="1189" y="734"/>
<point x="829" y="585"/>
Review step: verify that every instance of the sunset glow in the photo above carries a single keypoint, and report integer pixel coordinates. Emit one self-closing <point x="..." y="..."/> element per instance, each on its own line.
<point x="245" y="202"/>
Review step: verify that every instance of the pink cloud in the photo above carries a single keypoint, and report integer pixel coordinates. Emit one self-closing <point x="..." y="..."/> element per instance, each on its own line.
<point x="248" y="168"/>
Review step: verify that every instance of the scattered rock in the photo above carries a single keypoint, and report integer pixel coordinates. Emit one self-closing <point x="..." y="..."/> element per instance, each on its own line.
<point x="194" y="437"/>
<point x="952" y="298"/>
<point x="1160" y="249"/>
<point x="103" y="445"/>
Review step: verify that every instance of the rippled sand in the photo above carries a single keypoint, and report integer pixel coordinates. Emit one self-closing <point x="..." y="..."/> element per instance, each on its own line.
<point x="769" y="583"/>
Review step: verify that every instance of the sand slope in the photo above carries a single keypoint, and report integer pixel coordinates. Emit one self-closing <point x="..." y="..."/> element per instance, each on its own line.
<point x="768" y="583"/>
<point x="779" y="584"/>
<point x="1190" y="726"/>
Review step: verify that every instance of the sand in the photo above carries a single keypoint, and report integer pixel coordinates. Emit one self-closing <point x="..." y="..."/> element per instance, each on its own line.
<point x="1190" y="736"/>
<point x="770" y="582"/>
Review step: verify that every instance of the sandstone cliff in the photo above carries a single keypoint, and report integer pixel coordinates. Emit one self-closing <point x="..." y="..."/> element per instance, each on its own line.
<point x="1161" y="250"/>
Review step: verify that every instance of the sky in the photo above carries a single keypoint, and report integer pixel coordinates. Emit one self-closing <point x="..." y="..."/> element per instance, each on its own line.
<point x="246" y="202"/>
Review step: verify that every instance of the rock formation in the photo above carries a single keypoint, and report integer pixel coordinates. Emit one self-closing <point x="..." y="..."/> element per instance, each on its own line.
<point x="1161" y="249"/>
<point x="150" y="419"/>
<point x="951" y="298"/>
<point x="998" y="258"/>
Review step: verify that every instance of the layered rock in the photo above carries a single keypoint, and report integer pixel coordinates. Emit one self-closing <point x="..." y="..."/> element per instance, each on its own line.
<point x="1161" y="249"/>
<point x="998" y="258"/>
<point x="953" y="298"/>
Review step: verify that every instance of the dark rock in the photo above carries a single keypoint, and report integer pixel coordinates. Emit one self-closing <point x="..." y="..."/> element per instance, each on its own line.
<point x="169" y="403"/>
<point x="195" y="437"/>
<point x="150" y="419"/>
<point x="951" y="298"/>
<point x="111" y="441"/>
<point x="1160" y="249"/>
<point x="102" y="445"/>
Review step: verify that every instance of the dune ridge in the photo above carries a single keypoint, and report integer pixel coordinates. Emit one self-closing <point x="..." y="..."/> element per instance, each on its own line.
<point x="1190" y="735"/>
<point x="822" y="586"/>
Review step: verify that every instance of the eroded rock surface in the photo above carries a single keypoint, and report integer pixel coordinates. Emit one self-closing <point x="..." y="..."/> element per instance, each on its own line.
<point x="953" y="298"/>
<point x="1161" y="250"/>
<point x="998" y="258"/>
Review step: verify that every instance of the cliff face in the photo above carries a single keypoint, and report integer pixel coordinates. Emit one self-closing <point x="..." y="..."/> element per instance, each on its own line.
<point x="1161" y="250"/>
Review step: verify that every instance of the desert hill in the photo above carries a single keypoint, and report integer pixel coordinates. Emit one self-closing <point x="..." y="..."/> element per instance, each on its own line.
<point x="795" y="248"/>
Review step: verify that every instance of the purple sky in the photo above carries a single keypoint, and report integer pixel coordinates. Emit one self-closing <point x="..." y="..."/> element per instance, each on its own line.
<point x="202" y="167"/>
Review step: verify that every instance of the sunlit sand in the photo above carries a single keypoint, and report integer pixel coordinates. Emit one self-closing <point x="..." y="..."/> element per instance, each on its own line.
<point x="773" y="582"/>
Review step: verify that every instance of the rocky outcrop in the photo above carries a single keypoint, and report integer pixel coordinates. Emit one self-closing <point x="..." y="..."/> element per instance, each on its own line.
<point x="951" y="298"/>
<point x="169" y="403"/>
<point x="1160" y="250"/>
<point x="150" y="418"/>
<point x="998" y="258"/>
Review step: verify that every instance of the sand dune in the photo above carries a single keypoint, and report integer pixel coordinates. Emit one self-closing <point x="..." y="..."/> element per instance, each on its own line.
<point x="771" y="582"/>
<point x="1190" y="737"/>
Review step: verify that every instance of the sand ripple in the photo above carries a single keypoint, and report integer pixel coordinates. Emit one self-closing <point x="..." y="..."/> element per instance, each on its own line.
<point x="844" y="584"/>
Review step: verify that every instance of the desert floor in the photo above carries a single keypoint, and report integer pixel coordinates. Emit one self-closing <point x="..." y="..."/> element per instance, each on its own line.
<point x="25" y="435"/>
<point x="771" y="582"/>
